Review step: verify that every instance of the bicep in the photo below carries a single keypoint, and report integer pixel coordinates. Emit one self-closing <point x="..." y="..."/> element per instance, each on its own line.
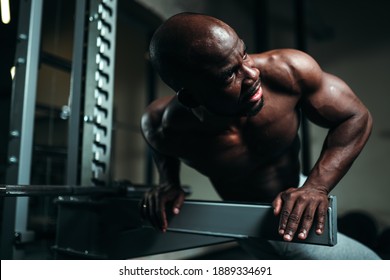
<point x="331" y="103"/>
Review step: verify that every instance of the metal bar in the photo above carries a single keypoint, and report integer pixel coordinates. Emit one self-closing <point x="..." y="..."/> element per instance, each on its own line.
<point x="200" y="223"/>
<point x="237" y="220"/>
<point x="99" y="93"/>
<point x="30" y="89"/>
<point x="76" y="95"/>
<point x="118" y="189"/>
<point x="56" y="61"/>
<point x="9" y="207"/>
<point x="22" y="122"/>
<point x="199" y="217"/>
<point x="92" y="228"/>
<point x="42" y="190"/>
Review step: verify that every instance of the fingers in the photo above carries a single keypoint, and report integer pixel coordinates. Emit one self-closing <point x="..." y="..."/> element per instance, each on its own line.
<point x="321" y="217"/>
<point x="153" y="206"/>
<point x="306" y="222"/>
<point x="298" y="213"/>
<point x="313" y="213"/>
<point x="154" y="213"/>
<point x="289" y="218"/>
<point x="158" y="213"/>
<point x="277" y="204"/>
<point x="153" y="210"/>
<point x="177" y="204"/>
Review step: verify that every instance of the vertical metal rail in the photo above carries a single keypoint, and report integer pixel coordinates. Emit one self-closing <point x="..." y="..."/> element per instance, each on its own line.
<point x="99" y="93"/>
<point x="14" y="223"/>
<point x="76" y="94"/>
<point x="301" y="44"/>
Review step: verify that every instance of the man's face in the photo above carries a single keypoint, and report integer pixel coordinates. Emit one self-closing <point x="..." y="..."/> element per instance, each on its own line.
<point x="224" y="77"/>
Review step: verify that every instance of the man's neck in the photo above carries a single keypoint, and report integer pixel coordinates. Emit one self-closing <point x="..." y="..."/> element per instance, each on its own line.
<point x="216" y="121"/>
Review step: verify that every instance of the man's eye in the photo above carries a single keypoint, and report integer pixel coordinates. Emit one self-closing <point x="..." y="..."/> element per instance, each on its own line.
<point x="229" y="75"/>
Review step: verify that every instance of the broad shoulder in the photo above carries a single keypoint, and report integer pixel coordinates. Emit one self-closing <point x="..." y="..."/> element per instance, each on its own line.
<point x="152" y="117"/>
<point x="162" y="118"/>
<point x="289" y="69"/>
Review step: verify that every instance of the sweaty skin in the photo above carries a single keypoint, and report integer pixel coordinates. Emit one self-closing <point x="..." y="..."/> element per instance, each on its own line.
<point x="235" y="119"/>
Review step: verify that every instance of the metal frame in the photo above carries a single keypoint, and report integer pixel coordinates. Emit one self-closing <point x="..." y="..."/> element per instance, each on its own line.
<point x="76" y="94"/>
<point x="200" y="223"/>
<point x="22" y="124"/>
<point x="255" y="221"/>
<point x="99" y="93"/>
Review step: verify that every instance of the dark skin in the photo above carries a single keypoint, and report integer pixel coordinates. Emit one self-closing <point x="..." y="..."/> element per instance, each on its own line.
<point x="235" y="119"/>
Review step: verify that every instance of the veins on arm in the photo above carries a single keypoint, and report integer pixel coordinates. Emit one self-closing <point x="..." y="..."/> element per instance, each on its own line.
<point x="334" y="105"/>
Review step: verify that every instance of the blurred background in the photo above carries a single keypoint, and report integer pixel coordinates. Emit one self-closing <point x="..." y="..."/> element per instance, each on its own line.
<point x="349" y="38"/>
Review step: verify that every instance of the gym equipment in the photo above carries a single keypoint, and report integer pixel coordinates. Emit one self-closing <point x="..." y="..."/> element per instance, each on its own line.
<point x="105" y="222"/>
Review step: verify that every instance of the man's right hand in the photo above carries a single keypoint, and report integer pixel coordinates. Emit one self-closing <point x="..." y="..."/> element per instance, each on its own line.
<point x="155" y="201"/>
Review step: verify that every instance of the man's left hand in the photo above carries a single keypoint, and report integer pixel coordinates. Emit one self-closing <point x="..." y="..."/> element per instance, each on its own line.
<point x="298" y="208"/>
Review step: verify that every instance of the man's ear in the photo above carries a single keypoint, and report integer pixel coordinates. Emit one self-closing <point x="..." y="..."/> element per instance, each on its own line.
<point x="185" y="97"/>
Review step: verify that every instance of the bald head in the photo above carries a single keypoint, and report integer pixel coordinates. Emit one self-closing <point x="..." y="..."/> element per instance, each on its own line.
<point x="182" y="41"/>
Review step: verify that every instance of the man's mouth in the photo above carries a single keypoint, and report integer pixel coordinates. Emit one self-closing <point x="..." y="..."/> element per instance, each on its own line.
<point x="254" y="94"/>
<point x="257" y="95"/>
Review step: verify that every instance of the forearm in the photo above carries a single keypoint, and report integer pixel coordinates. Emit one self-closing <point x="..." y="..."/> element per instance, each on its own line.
<point x="168" y="168"/>
<point x="168" y="196"/>
<point x="342" y="146"/>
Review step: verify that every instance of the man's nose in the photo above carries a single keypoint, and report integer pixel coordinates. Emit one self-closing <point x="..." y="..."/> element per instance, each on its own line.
<point x="251" y="73"/>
